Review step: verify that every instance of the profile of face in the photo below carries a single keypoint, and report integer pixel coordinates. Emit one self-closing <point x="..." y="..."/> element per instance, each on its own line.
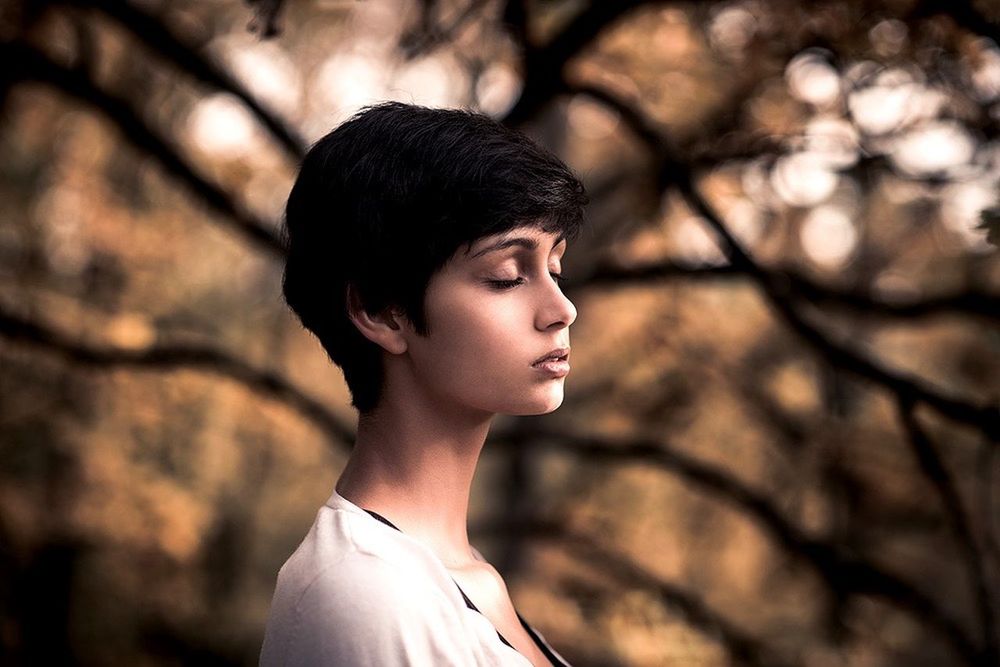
<point x="492" y="312"/>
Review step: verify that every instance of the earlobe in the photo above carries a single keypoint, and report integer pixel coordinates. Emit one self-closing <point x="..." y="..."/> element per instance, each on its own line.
<point x="381" y="328"/>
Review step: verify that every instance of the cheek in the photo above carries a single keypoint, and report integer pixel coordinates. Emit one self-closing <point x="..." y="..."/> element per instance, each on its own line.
<point x="479" y="339"/>
<point x="485" y="331"/>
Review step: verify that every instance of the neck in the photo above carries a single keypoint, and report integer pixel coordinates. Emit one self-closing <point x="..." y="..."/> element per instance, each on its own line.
<point x="415" y="466"/>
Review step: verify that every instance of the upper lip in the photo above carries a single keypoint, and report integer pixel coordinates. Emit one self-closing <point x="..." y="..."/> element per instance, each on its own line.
<point x="557" y="353"/>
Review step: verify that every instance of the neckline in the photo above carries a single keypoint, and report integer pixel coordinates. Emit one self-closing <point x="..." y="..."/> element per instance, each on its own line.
<point x="469" y="603"/>
<point x="546" y="651"/>
<point x="337" y="501"/>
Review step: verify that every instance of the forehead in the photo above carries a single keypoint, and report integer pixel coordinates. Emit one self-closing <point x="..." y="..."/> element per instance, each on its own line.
<point x="530" y="238"/>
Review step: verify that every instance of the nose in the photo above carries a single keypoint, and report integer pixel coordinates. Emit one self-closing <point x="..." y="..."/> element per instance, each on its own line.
<point x="556" y="310"/>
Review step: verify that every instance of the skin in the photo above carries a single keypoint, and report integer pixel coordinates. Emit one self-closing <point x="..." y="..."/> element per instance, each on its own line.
<point x="415" y="455"/>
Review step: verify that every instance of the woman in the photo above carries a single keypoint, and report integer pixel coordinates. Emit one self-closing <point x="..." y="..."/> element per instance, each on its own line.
<point x="424" y="252"/>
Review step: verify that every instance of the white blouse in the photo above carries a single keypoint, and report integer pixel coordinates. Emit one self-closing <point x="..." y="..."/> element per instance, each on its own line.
<point x="358" y="592"/>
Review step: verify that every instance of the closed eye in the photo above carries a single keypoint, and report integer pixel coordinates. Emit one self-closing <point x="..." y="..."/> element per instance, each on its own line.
<point x="505" y="284"/>
<point x="509" y="284"/>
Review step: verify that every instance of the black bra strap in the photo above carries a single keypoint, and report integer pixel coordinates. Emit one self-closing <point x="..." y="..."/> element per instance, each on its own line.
<point x="382" y="519"/>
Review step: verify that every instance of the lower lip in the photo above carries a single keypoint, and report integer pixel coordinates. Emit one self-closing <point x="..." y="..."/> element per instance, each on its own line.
<point x="553" y="368"/>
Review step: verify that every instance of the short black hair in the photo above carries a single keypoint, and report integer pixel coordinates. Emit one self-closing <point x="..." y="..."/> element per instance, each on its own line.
<point x="384" y="200"/>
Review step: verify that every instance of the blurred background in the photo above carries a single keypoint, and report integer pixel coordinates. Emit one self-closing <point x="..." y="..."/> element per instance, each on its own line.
<point x="779" y="440"/>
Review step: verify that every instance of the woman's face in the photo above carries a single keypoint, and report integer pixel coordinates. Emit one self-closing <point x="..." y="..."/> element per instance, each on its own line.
<point x="492" y="312"/>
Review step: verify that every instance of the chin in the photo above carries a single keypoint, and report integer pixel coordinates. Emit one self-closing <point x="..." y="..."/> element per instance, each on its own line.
<point x="542" y="405"/>
<point x="549" y="409"/>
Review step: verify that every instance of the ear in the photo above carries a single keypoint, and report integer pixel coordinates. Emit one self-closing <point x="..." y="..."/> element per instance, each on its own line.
<point x="384" y="329"/>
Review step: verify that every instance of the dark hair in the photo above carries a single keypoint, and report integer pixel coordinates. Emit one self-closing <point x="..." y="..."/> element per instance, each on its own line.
<point x="385" y="199"/>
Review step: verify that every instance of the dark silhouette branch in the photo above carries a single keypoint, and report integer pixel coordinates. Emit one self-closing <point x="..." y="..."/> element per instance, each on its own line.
<point x="970" y="302"/>
<point x="740" y="645"/>
<point x="543" y="66"/>
<point x="672" y="173"/>
<point x="986" y="464"/>
<point x="266" y="383"/>
<point x="934" y="470"/>
<point x="32" y="65"/>
<point x="430" y="35"/>
<point x="151" y="32"/>
<point x="842" y="572"/>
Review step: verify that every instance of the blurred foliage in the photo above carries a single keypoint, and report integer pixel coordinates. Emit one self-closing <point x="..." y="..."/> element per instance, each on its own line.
<point x="779" y="441"/>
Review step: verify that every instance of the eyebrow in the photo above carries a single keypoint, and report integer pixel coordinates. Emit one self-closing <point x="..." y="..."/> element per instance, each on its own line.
<point x="522" y="241"/>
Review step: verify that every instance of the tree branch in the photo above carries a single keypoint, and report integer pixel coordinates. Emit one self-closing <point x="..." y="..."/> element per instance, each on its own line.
<point x="840" y="571"/>
<point x="936" y="473"/>
<point x="430" y="36"/>
<point x="32" y="65"/>
<point x="217" y="362"/>
<point x="673" y="173"/>
<point x="971" y="301"/>
<point x="740" y="645"/>
<point x="543" y="66"/>
<point x="153" y="34"/>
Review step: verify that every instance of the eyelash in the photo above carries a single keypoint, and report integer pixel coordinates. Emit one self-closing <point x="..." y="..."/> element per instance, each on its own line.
<point x="508" y="284"/>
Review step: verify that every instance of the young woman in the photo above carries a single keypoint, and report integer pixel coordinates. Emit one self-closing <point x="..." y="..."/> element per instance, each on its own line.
<point x="424" y="252"/>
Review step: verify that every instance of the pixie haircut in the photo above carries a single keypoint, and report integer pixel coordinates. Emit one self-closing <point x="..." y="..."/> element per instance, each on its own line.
<point x="382" y="203"/>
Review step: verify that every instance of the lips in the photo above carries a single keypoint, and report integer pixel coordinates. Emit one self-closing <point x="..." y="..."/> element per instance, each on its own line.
<point x="558" y="354"/>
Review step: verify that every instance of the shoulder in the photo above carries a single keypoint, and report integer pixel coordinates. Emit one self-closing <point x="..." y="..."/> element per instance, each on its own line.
<point x="364" y="610"/>
<point x="366" y="587"/>
<point x="362" y="606"/>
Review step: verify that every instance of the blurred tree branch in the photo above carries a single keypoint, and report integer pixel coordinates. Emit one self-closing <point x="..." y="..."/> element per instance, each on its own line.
<point x="543" y="65"/>
<point x="672" y="173"/>
<point x="32" y="65"/>
<point x="152" y="33"/>
<point x="958" y="519"/>
<point x="741" y="647"/>
<point x="842" y="572"/>
<point x="971" y="301"/>
<point x="267" y="383"/>
<point x="430" y="34"/>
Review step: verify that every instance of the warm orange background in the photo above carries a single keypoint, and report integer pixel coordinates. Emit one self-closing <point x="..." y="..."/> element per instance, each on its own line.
<point x="784" y="458"/>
